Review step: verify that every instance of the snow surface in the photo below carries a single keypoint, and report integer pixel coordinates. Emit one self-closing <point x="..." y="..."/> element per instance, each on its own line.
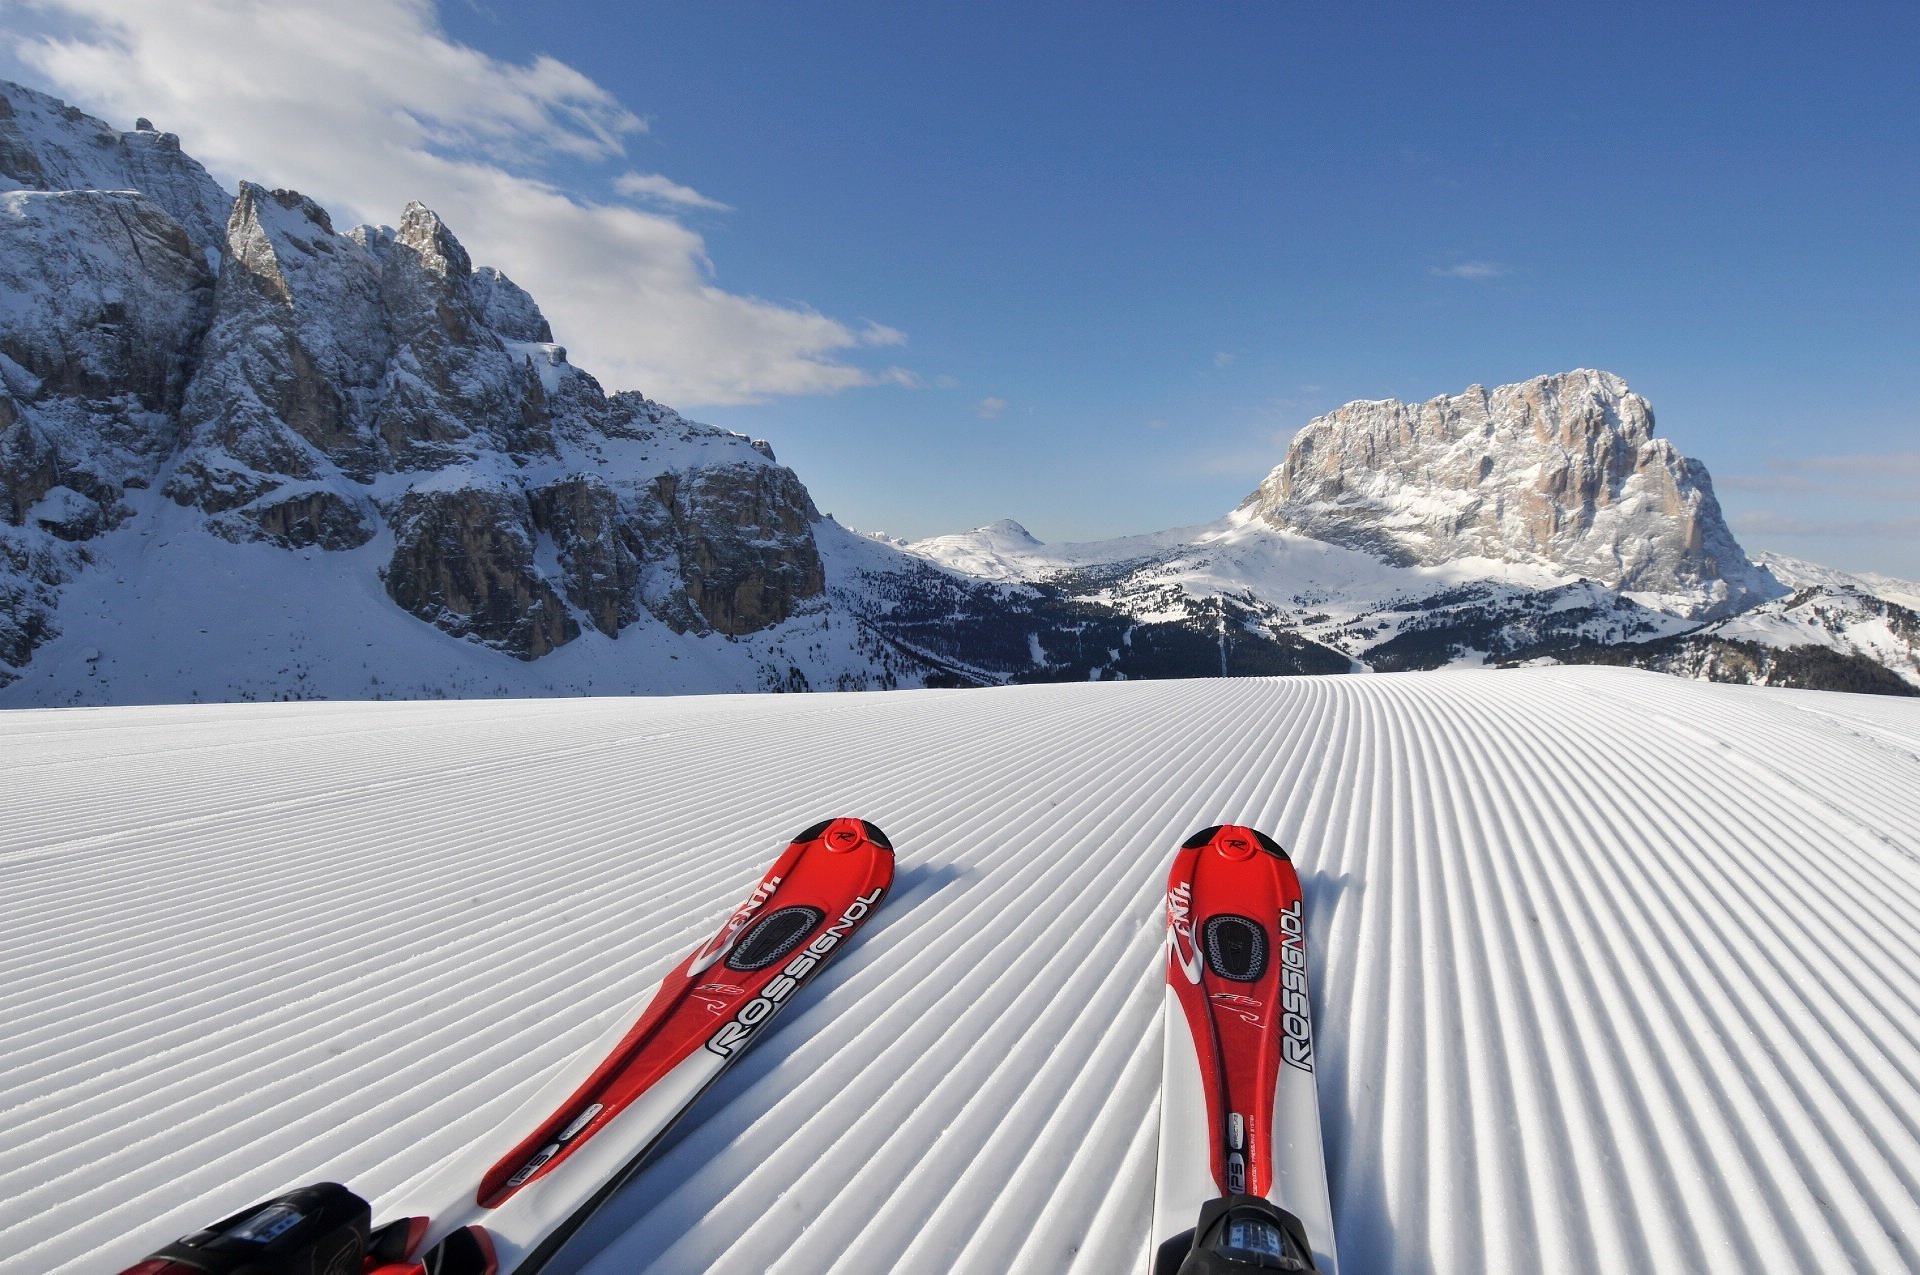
<point x="1801" y="574"/>
<point x="1613" y="971"/>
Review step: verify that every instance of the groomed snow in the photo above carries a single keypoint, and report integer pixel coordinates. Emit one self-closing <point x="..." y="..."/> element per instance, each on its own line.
<point x="1613" y="971"/>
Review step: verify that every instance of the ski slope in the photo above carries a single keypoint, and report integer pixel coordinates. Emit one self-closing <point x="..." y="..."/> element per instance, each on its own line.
<point x="1613" y="971"/>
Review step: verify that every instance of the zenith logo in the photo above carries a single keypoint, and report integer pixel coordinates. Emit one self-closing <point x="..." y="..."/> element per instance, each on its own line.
<point x="1180" y="949"/>
<point x="722" y="943"/>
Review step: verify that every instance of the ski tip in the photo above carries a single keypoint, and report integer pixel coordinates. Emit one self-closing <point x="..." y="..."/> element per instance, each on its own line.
<point x="1234" y="840"/>
<point x="845" y="834"/>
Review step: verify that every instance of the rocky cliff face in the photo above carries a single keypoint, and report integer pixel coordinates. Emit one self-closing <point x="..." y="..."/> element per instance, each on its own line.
<point x="310" y="389"/>
<point x="1560" y="471"/>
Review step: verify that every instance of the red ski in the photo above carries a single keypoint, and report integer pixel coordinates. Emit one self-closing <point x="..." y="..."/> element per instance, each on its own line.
<point x="709" y="1009"/>
<point x="1239" y="1110"/>
<point x="703" y="1015"/>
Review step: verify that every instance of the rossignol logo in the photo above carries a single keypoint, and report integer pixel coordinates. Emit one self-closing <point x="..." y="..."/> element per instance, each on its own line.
<point x="1185" y="956"/>
<point x="1297" y="1022"/>
<point x="734" y="1034"/>
<point x="722" y="942"/>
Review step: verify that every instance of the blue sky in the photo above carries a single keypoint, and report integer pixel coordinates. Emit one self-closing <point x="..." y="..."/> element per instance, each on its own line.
<point x="1090" y="266"/>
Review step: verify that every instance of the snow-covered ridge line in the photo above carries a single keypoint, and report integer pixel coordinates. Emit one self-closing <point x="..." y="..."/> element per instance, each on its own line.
<point x="1612" y="971"/>
<point x="378" y="445"/>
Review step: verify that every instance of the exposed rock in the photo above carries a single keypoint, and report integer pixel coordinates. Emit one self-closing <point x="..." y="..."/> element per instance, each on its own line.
<point x="107" y="297"/>
<point x="107" y="300"/>
<point x="600" y="551"/>
<point x="743" y="537"/>
<point x="452" y="386"/>
<point x="1561" y="471"/>
<point x="19" y="161"/>
<point x="47" y="145"/>
<point x="70" y="515"/>
<point x="29" y="467"/>
<point x="32" y="568"/>
<point x="215" y="488"/>
<point x="506" y="308"/>
<point x="463" y="561"/>
<point x="319" y="519"/>
<point x="292" y="358"/>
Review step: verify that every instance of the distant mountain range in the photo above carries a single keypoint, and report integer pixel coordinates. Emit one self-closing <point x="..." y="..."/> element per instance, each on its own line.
<point x="245" y="455"/>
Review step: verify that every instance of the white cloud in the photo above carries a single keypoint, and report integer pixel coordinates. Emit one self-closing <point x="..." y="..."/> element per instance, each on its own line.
<point x="1771" y="522"/>
<point x="990" y="407"/>
<point x="365" y="104"/>
<point x="652" y="186"/>
<point x="1876" y="464"/>
<point x="1473" y="271"/>
<point x="1224" y="358"/>
<point x="1856" y="477"/>
<point x="872" y="333"/>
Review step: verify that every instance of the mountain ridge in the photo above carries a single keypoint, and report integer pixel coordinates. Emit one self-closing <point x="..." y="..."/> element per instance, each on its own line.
<point x="250" y="455"/>
<point x="1563" y="470"/>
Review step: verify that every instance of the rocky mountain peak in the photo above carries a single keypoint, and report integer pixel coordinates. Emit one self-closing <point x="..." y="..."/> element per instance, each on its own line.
<point x="291" y="386"/>
<point x="439" y="253"/>
<point x="506" y="308"/>
<point x="251" y="235"/>
<point x="48" y="145"/>
<point x="1561" y="471"/>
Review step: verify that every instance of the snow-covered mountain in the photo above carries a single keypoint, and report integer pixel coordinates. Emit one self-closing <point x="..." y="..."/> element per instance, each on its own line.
<point x="245" y="455"/>
<point x="1534" y="521"/>
<point x="1254" y="584"/>
<point x="1832" y="629"/>
<point x="241" y="453"/>
<point x="1611" y="971"/>
<point x="1560" y="471"/>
